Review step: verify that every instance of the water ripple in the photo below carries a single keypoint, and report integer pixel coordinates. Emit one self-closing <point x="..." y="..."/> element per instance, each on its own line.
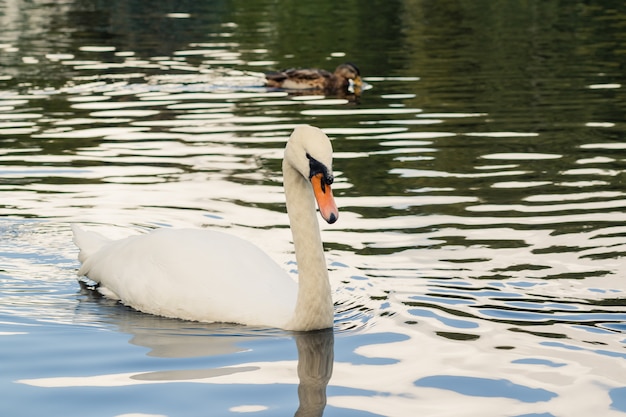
<point x="468" y="239"/>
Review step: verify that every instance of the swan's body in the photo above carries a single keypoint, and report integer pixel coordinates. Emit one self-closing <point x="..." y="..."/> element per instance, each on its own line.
<point x="203" y="275"/>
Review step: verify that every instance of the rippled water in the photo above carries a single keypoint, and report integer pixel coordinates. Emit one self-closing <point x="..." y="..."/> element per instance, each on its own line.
<point x="477" y="262"/>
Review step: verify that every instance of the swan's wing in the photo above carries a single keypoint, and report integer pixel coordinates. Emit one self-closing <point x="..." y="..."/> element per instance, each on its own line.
<point x="88" y="242"/>
<point x="195" y="275"/>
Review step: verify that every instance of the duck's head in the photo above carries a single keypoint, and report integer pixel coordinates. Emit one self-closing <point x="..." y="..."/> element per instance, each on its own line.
<point x="309" y="151"/>
<point x="350" y="72"/>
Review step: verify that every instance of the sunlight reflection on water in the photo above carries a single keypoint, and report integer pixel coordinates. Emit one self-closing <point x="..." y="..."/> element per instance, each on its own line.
<point x="476" y="261"/>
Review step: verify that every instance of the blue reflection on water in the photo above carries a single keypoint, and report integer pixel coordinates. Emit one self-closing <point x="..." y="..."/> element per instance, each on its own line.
<point x="541" y="306"/>
<point x="459" y="324"/>
<point x="598" y="351"/>
<point x="610" y="353"/>
<point x="333" y="411"/>
<point x="442" y="300"/>
<point x="592" y="329"/>
<point x="620" y="327"/>
<point x="178" y="398"/>
<point x="484" y="387"/>
<point x="345" y="348"/>
<point x="523" y="284"/>
<point x="561" y="345"/>
<point x="482" y="293"/>
<point x="537" y="317"/>
<point x="534" y="361"/>
<point x="618" y="398"/>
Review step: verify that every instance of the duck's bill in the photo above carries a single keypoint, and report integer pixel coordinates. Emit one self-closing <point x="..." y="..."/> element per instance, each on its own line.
<point x="354" y="86"/>
<point x="357" y="85"/>
<point x="325" y="201"/>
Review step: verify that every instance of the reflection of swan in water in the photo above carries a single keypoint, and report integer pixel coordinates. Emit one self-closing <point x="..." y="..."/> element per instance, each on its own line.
<point x="315" y="364"/>
<point x="171" y="338"/>
<point x="315" y="367"/>
<point x="209" y="276"/>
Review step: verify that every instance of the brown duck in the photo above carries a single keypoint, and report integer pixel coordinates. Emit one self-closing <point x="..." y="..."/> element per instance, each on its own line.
<point x="345" y="80"/>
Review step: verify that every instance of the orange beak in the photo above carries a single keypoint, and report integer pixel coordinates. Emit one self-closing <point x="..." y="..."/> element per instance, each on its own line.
<point x="324" y="197"/>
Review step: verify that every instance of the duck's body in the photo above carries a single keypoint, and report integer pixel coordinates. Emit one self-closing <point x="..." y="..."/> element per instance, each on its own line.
<point x="346" y="79"/>
<point x="203" y="275"/>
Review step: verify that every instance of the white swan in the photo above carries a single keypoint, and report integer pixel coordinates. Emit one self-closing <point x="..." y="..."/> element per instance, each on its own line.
<point x="211" y="276"/>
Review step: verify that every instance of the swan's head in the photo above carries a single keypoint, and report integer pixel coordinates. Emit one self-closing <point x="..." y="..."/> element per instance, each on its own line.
<point x="309" y="151"/>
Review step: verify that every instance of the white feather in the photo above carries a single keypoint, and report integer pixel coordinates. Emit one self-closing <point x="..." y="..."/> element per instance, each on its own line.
<point x="203" y="275"/>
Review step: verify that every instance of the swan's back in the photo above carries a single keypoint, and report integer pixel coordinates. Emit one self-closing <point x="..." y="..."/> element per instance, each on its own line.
<point x="190" y="274"/>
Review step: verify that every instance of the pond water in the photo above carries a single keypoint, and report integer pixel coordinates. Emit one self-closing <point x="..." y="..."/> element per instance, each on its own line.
<point x="477" y="262"/>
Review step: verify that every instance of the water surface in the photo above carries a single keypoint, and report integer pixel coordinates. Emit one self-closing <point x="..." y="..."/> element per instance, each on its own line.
<point x="477" y="263"/>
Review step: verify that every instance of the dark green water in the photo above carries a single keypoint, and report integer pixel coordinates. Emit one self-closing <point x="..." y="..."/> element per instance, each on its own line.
<point x="477" y="265"/>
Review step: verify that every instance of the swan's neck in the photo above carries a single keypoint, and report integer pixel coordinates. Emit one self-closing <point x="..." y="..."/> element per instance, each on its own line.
<point x="314" y="306"/>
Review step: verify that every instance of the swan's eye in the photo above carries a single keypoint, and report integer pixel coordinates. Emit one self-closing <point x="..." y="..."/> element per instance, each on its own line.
<point x="316" y="167"/>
